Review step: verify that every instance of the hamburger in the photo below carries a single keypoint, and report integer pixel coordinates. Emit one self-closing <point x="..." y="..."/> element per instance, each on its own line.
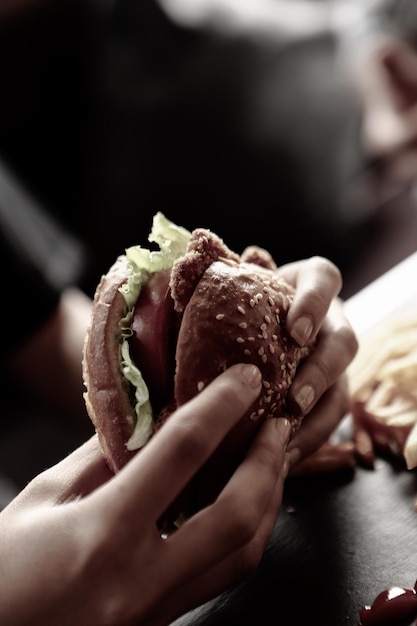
<point x="165" y="322"/>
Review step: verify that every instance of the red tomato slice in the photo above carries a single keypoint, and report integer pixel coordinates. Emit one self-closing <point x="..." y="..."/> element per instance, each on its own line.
<point x="154" y="327"/>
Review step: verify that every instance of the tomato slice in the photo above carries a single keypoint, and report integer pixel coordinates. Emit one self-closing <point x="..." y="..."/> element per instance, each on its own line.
<point x="155" y="327"/>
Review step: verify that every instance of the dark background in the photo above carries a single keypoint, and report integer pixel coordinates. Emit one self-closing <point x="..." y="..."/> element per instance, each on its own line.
<point x="110" y="112"/>
<point x="107" y="118"/>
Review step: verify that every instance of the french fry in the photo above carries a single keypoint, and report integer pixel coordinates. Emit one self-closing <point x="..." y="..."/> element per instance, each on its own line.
<point x="383" y="381"/>
<point x="383" y="389"/>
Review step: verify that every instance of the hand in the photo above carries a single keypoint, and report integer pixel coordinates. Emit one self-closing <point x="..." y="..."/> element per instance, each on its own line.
<point x="80" y="546"/>
<point x="319" y="391"/>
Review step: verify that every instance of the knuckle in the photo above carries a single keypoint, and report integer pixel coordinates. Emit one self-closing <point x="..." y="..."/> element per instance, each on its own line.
<point x="242" y="522"/>
<point x="93" y="546"/>
<point x="315" y="302"/>
<point x="328" y="268"/>
<point x="338" y="398"/>
<point x="340" y="395"/>
<point x="327" y="373"/>
<point x="347" y="340"/>
<point x="250" y="558"/>
<point x="44" y="486"/>
<point x="191" y="439"/>
<point x="232" y="399"/>
<point x="352" y="343"/>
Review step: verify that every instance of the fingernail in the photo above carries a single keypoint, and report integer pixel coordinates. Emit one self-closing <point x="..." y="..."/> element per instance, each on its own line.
<point x="304" y="398"/>
<point x="301" y="330"/>
<point x="252" y="375"/>
<point x="283" y="429"/>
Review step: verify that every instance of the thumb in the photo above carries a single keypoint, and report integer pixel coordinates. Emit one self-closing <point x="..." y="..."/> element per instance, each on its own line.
<point x="77" y="475"/>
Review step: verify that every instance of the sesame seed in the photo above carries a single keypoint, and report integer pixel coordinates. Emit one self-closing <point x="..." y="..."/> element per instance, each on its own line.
<point x="240" y="340"/>
<point x="220" y="316"/>
<point x="282" y="356"/>
<point x="242" y="325"/>
<point x="251" y="338"/>
<point x="253" y="416"/>
<point x="252" y="302"/>
<point x="247" y="352"/>
<point x="241" y="309"/>
<point x="271" y="348"/>
<point x="262" y="327"/>
<point x="271" y="301"/>
<point x="267" y="319"/>
<point x="264" y="358"/>
<point x="261" y="351"/>
<point x="261" y="412"/>
<point x="266" y="384"/>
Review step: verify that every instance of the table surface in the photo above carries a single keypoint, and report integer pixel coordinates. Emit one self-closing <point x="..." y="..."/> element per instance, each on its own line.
<point x="340" y="539"/>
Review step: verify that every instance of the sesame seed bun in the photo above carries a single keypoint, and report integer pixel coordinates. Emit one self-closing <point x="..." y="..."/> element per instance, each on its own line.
<point x="229" y="309"/>
<point x="237" y="314"/>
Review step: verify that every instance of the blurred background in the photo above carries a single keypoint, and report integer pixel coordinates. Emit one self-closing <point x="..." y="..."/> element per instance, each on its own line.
<point x="242" y="117"/>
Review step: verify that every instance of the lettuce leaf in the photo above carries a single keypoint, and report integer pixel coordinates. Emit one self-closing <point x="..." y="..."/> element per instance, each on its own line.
<point x="172" y="241"/>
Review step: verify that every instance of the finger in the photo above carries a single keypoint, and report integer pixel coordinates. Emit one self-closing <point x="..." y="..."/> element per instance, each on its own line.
<point x="318" y="425"/>
<point x="171" y="458"/>
<point x="78" y="474"/>
<point x="317" y="282"/>
<point x="247" y="505"/>
<point x="336" y="346"/>
<point x="229" y="571"/>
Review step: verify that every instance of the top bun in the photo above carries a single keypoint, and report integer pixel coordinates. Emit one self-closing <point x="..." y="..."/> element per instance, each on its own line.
<point x="237" y="314"/>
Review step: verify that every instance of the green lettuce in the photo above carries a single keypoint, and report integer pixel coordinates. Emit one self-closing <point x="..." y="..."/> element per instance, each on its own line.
<point x="172" y="241"/>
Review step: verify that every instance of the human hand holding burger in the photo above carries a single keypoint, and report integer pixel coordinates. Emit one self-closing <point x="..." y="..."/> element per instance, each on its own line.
<point x="166" y="322"/>
<point x="81" y="519"/>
